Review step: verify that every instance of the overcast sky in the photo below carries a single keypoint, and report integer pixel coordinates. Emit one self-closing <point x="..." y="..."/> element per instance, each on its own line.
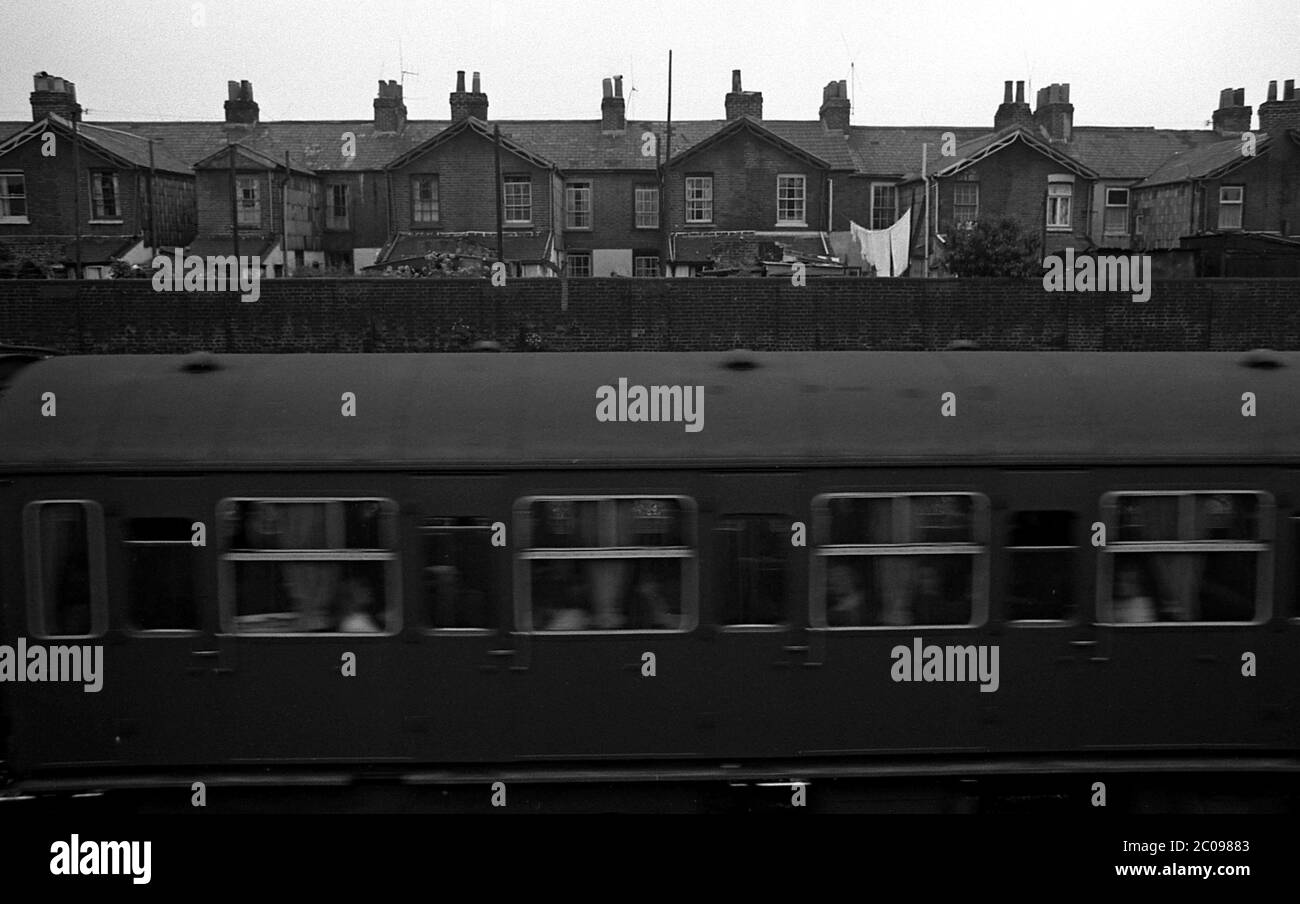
<point x="918" y="62"/>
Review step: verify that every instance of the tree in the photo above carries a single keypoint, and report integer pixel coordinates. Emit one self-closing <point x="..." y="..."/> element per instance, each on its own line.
<point x="993" y="249"/>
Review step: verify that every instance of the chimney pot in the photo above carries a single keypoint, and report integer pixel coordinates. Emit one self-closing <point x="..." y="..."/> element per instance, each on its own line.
<point x="607" y="87"/>
<point x="1020" y="92"/>
<point x="1006" y="92"/>
<point x="460" y="79"/>
<point x="478" y="89"/>
<point x="618" y="86"/>
<point x="1290" y="89"/>
<point x="735" y="80"/>
<point x="232" y="90"/>
<point x="1239" y="97"/>
<point x="1225" y="98"/>
<point x="1272" y="90"/>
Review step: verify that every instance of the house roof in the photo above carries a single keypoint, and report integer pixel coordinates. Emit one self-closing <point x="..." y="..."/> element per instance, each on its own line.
<point x="1204" y="162"/>
<point x="100" y="249"/>
<point x="483" y="130"/>
<point x="125" y="148"/>
<point x="581" y="145"/>
<point x="221" y="246"/>
<point x="520" y="246"/>
<point x="971" y="152"/>
<point x="247" y="158"/>
<point x="896" y="151"/>
<point x="744" y="246"/>
<point x="755" y="127"/>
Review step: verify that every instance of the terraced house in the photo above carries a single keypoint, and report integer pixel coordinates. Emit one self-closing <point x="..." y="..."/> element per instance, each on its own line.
<point x="604" y="196"/>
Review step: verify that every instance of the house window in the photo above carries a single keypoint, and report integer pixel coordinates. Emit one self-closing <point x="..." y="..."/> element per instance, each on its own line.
<point x="519" y="199"/>
<point x="424" y="199"/>
<point x="645" y="266"/>
<point x="1116" y="216"/>
<point x="577" y="205"/>
<point x="103" y="195"/>
<point x="790" y="194"/>
<point x="1060" y="195"/>
<point x="13" y="196"/>
<point x="250" y="202"/>
<point x="884" y="210"/>
<point x="579" y="263"/>
<point x="646" y="198"/>
<point x="1231" y="198"/>
<point x="965" y="203"/>
<point x="337" y="210"/>
<point x="699" y="199"/>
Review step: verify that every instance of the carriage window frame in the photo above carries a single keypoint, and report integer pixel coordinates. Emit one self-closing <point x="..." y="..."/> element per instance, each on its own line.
<point x="787" y="564"/>
<point x="1108" y="513"/>
<point x="128" y="542"/>
<point x="95" y="567"/>
<point x="980" y="548"/>
<point x="1077" y="570"/>
<point x="688" y="553"/>
<point x="495" y="591"/>
<point x="389" y="528"/>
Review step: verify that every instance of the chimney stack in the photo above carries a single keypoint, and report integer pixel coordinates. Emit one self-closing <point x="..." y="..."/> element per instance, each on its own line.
<point x="1055" y="113"/>
<point x="240" y="106"/>
<point x="1233" y="116"/>
<point x="835" y="108"/>
<point x="54" y="95"/>
<point x="1013" y="112"/>
<point x="1276" y="115"/>
<point x="390" y="111"/>
<point x="465" y="104"/>
<point x="613" y="108"/>
<point x="743" y="103"/>
<point x="1279" y="114"/>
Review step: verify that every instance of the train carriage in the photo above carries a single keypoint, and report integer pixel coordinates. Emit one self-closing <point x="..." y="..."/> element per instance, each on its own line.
<point x="640" y="565"/>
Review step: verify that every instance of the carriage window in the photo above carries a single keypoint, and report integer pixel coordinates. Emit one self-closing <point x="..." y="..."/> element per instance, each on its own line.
<point x="753" y="555"/>
<point x="888" y="560"/>
<point x="1042" y="555"/>
<point x="64" y="541"/>
<point x="618" y="563"/>
<point x="293" y="566"/>
<point x="1185" y="557"/>
<point x="161" y="580"/>
<point x="458" y="573"/>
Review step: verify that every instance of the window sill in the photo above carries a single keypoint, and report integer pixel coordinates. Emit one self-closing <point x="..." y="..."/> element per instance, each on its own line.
<point x="579" y="229"/>
<point x="519" y="224"/>
<point x="1060" y="229"/>
<point x="791" y="224"/>
<point x="103" y="222"/>
<point x="15" y="221"/>
<point x="646" y="228"/>
<point x="699" y="223"/>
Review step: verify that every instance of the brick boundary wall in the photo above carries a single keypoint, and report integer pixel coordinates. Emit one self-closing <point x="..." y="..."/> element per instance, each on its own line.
<point x="410" y="315"/>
